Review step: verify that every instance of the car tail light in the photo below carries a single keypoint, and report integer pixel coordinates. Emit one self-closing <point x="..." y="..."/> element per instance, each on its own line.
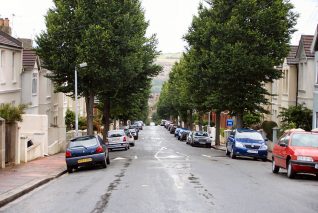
<point x="125" y="139"/>
<point x="68" y="154"/>
<point x="99" y="149"/>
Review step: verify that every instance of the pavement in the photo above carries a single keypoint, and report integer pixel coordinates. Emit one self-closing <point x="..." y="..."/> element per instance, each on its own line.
<point x="18" y="180"/>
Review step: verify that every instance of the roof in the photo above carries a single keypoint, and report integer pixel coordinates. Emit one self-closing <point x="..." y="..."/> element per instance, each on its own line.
<point x="306" y="41"/>
<point x="29" y="58"/>
<point x="314" y="45"/>
<point x="291" y="58"/>
<point x="7" y="40"/>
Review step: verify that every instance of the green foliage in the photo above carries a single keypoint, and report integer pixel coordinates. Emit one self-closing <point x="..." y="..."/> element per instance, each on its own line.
<point x="268" y="126"/>
<point x="82" y="123"/>
<point x="233" y="48"/>
<point x="251" y="119"/>
<point x="70" y="119"/>
<point x="11" y="113"/>
<point x="297" y="117"/>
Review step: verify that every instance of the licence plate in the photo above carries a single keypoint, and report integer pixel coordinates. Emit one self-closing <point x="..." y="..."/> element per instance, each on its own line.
<point x="85" y="160"/>
<point x="202" y="142"/>
<point x="252" y="151"/>
<point x="316" y="166"/>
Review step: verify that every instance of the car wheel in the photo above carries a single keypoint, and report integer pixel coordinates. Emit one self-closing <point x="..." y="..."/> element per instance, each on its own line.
<point x="290" y="171"/>
<point x="264" y="159"/>
<point x="233" y="155"/>
<point x="69" y="169"/>
<point x="275" y="169"/>
<point x="208" y="145"/>
<point x="226" y="151"/>
<point x="104" y="162"/>
<point x="107" y="160"/>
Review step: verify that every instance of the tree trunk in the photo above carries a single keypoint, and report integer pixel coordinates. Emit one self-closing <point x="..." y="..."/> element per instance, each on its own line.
<point x="106" y="117"/>
<point x="239" y="120"/>
<point x="217" y="127"/>
<point x="90" y="112"/>
<point x="200" y="121"/>
<point x="190" y="120"/>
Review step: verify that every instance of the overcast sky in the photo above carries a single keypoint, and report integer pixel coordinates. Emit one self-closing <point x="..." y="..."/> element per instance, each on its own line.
<point x="169" y="19"/>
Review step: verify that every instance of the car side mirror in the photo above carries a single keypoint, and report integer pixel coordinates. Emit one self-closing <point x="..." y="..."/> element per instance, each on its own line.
<point x="266" y="139"/>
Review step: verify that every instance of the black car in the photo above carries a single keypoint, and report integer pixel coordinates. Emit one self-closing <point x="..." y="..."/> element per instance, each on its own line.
<point x="86" y="151"/>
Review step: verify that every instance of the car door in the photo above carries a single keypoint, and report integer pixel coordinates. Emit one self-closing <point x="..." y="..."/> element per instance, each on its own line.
<point x="278" y="151"/>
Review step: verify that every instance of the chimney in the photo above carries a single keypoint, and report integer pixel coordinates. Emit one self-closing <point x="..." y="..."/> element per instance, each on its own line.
<point x="26" y="43"/>
<point x="5" y="25"/>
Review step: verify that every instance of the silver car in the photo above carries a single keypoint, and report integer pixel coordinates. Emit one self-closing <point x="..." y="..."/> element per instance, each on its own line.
<point x="117" y="139"/>
<point x="199" y="138"/>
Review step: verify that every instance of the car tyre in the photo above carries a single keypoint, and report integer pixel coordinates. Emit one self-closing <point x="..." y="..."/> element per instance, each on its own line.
<point x="69" y="169"/>
<point x="107" y="160"/>
<point x="233" y="155"/>
<point x="290" y="171"/>
<point x="275" y="169"/>
<point x="104" y="162"/>
<point x="226" y="151"/>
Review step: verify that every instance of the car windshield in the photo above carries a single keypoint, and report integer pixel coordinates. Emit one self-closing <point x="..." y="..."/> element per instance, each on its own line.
<point x="83" y="142"/>
<point x="115" y="134"/>
<point x="200" y="134"/>
<point x="305" y="140"/>
<point x="249" y="135"/>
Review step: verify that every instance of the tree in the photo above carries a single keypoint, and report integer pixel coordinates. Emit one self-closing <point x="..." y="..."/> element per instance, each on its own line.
<point x="11" y="113"/>
<point x="69" y="119"/>
<point x="296" y="116"/>
<point x="110" y="36"/>
<point x="233" y="48"/>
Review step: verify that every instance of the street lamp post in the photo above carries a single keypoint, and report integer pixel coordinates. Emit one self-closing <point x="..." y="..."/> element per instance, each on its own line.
<point x="76" y="101"/>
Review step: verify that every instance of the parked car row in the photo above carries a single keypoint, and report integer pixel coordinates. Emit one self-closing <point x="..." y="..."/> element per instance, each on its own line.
<point x="193" y="138"/>
<point x="296" y="150"/>
<point x="88" y="150"/>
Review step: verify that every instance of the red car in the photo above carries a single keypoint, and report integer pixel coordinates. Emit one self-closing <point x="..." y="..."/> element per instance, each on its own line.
<point x="296" y="151"/>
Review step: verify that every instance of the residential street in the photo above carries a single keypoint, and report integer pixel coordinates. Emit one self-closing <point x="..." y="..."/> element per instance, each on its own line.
<point x="161" y="174"/>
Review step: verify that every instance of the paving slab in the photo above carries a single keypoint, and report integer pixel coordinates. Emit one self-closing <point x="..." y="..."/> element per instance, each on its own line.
<point x="18" y="180"/>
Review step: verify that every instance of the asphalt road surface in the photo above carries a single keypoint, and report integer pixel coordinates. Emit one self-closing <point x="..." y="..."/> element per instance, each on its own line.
<point x="161" y="174"/>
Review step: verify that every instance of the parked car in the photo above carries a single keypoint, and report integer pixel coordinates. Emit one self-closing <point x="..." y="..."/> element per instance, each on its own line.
<point x="296" y="151"/>
<point x="183" y="134"/>
<point x="130" y="137"/>
<point x="176" y="132"/>
<point x="117" y="139"/>
<point x="246" y="142"/>
<point x="200" y="138"/>
<point x="134" y="126"/>
<point x="163" y="122"/>
<point x="134" y="133"/>
<point x="139" y="125"/>
<point x="173" y="129"/>
<point x="86" y="151"/>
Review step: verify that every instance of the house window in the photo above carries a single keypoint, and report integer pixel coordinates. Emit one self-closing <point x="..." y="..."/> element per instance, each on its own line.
<point x="34" y="83"/>
<point x="13" y="68"/>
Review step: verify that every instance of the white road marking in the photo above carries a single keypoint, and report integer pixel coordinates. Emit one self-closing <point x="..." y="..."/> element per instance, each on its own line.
<point x="120" y="158"/>
<point x="136" y="157"/>
<point x="207" y="156"/>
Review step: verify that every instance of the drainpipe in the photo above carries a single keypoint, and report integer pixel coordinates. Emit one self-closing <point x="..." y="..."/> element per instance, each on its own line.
<point x="297" y="77"/>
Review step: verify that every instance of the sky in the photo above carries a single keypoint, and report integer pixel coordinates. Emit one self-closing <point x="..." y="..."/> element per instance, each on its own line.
<point x="169" y="19"/>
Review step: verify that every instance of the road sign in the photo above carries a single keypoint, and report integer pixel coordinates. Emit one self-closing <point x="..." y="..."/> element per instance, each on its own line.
<point x="229" y="122"/>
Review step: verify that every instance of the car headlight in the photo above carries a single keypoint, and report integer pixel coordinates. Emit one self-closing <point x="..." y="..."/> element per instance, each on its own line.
<point x="304" y="158"/>
<point x="239" y="145"/>
<point x="263" y="147"/>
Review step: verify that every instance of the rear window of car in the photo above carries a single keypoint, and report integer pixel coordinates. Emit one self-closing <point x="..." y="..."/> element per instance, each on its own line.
<point x="83" y="142"/>
<point x="305" y="140"/>
<point x="201" y="134"/>
<point x="116" y="134"/>
<point x="249" y="135"/>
